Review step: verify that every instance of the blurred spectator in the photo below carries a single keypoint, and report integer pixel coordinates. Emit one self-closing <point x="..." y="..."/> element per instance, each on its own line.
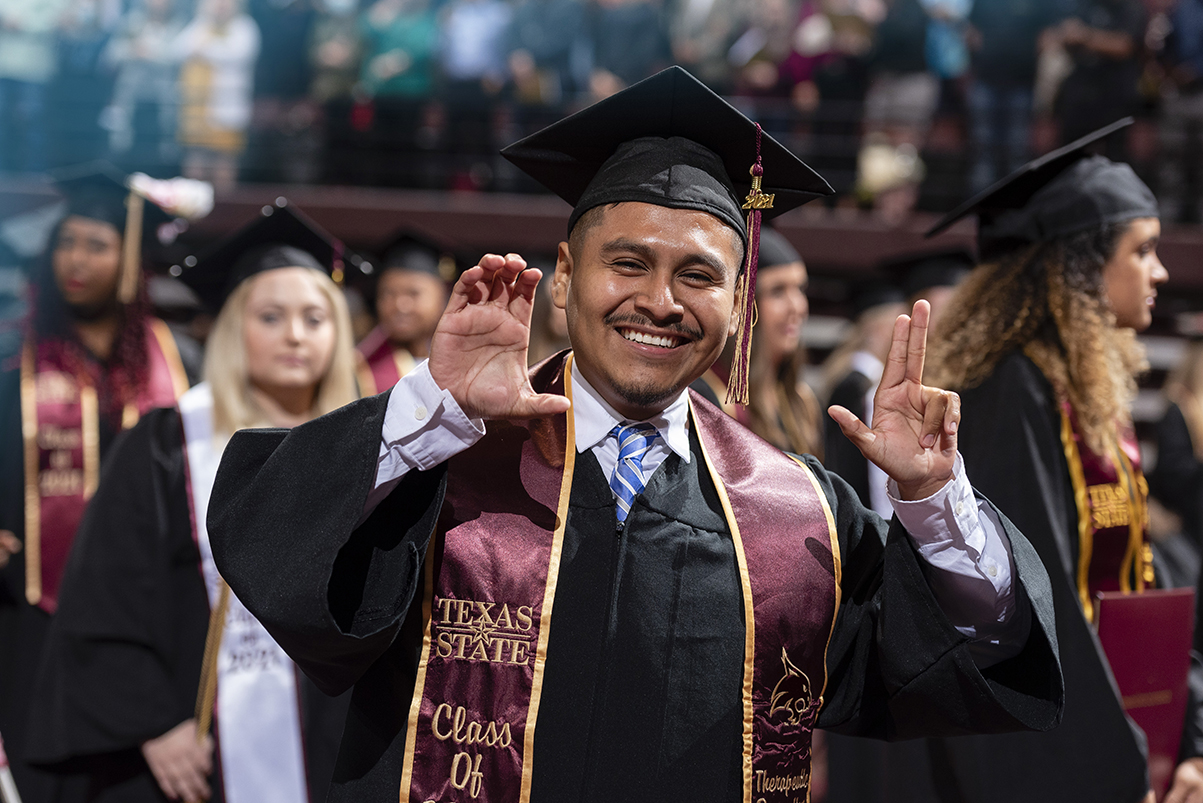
<point x="764" y="45"/>
<point x="701" y="32"/>
<point x="335" y="50"/>
<point x="141" y="55"/>
<point x="1005" y="35"/>
<point x="944" y="46"/>
<point x="1181" y="174"/>
<point x="544" y="44"/>
<point x="472" y="50"/>
<point x="80" y="90"/>
<point x="400" y="41"/>
<point x="283" y="140"/>
<point x="1103" y="39"/>
<point x="27" y="63"/>
<point x="218" y="48"/>
<point x="629" y="43"/>
<point x="902" y="94"/>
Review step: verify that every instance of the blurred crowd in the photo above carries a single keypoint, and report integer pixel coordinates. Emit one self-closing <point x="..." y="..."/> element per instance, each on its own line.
<point x="879" y="95"/>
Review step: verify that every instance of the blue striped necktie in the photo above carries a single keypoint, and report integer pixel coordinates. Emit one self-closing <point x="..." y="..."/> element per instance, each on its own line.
<point x="628" y="479"/>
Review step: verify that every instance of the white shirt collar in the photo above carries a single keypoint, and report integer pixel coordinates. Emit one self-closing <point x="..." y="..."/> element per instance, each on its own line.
<point x="868" y="365"/>
<point x="593" y="418"/>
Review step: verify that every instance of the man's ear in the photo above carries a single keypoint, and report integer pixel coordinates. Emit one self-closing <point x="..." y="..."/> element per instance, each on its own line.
<point x="733" y="327"/>
<point x="562" y="277"/>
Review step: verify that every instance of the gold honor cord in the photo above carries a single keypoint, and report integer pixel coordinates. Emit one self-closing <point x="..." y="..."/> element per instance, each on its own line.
<point x="363" y="373"/>
<point x="206" y="694"/>
<point x="90" y="413"/>
<point x="1077" y="479"/>
<point x="404" y="362"/>
<point x="33" y="503"/>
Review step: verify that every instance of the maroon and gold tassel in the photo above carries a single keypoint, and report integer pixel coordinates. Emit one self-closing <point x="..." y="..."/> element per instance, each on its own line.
<point x="131" y="265"/>
<point x="745" y="287"/>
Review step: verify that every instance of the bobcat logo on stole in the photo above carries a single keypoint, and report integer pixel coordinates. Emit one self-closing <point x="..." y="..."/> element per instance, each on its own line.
<point x="791" y="695"/>
<point x="492" y="632"/>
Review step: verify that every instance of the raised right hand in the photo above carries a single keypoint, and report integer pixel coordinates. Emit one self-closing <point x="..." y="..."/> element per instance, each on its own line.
<point x="9" y="546"/>
<point x="479" y="348"/>
<point x="181" y="765"/>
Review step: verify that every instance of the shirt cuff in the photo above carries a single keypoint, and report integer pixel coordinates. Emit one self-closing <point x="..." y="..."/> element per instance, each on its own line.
<point x="423" y="426"/>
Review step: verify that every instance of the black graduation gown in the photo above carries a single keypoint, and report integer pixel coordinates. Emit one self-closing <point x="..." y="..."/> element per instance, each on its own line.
<point x="23" y="627"/>
<point x="1177" y="479"/>
<point x="123" y="654"/>
<point x="1010" y="439"/>
<point x="641" y="690"/>
<point x="840" y="456"/>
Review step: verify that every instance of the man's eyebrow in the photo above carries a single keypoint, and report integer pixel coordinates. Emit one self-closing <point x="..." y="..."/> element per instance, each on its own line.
<point x="623" y="244"/>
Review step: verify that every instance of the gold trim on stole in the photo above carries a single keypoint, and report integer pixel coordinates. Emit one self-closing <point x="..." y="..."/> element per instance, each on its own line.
<point x="404" y="361"/>
<point x="553" y="576"/>
<point x="33" y="502"/>
<point x="1077" y="478"/>
<point x="745" y="582"/>
<point x="171" y="353"/>
<point x="837" y="565"/>
<point x="363" y="374"/>
<point x="553" y="572"/>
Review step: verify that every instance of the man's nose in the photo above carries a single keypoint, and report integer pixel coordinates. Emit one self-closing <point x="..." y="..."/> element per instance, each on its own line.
<point x="657" y="301"/>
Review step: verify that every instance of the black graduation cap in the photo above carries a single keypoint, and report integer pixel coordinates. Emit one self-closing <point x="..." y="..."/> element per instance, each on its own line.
<point x="875" y="293"/>
<point x="667" y="140"/>
<point x="775" y="249"/>
<point x="99" y="191"/>
<point x="918" y="271"/>
<point x="670" y="141"/>
<point x="1063" y="192"/>
<point x="281" y="237"/>
<point x="413" y="252"/>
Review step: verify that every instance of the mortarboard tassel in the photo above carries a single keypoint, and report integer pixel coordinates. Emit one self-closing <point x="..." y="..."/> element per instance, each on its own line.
<point x="131" y="266"/>
<point x="745" y="288"/>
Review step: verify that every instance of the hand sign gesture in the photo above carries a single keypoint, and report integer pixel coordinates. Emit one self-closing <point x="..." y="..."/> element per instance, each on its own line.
<point x="914" y="433"/>
<point x="479" y="348"/>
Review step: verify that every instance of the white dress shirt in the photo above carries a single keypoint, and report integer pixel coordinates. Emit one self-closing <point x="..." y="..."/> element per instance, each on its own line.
<point x="967" y="555"/>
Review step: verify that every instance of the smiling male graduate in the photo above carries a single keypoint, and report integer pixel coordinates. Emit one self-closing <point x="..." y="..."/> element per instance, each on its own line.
<point x="586" y="583"/>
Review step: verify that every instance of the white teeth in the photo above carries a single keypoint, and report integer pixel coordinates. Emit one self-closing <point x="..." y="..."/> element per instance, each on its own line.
<point x="649" y="340"/>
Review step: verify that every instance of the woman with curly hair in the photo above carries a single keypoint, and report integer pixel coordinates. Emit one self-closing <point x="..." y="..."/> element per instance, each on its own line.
<point x="1040" y="341"/>
<point x="92" y="362"/>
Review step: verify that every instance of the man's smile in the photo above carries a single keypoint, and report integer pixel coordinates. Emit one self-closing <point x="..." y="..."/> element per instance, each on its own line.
<point x="662" y="341"/>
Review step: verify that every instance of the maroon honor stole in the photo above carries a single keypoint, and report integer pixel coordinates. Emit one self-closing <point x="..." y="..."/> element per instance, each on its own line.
<point x="1112" y="501"/>
<point x="60" y="429"/>
<point x="380" y="365"/>
<point x="490" y="590"/>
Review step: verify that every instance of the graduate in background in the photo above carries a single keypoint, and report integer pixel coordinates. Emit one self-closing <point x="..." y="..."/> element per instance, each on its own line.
<point x="411" y="292"/>
<point x="853" y="371"/>
<point x="1041" y="342"/>
<point x="120" y="694"/>
<point x="93" y="361"/>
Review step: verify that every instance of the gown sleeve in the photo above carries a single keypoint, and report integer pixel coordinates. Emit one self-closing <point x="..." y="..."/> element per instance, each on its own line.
<point x="123" y="655"/>
<point x="897" y="667"/>
<point x="1177" y="479"/>
<point x="282" y="523"/>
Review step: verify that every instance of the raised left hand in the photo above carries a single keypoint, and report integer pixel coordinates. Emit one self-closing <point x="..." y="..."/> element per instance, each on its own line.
<point x="1188" y="783"/>
<point x="914" y="434"/>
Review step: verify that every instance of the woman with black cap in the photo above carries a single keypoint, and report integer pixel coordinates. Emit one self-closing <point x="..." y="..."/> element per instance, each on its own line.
<point x="130" y="682"/>
<point x="1040" y="341"/>
<point x="93" y="361"/>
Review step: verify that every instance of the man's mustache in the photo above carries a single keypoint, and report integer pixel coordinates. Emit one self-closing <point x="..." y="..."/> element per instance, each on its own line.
<point x="679" y="328"/>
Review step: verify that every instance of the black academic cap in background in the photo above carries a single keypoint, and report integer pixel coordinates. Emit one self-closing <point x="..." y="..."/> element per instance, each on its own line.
<point x="281" y="237"/>
<point x="98" y="191"/>
<point x="875" y="293"/>
<point x="918" y="271"/>
<point x="413" y="252"/>
<point x="775" y="249"/>
<point x="1061" y="193"/>
<point x="667" y="140"/>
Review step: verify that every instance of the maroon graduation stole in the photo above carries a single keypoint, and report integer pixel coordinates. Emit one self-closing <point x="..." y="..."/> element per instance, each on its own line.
<point x="60" y="429"/>
<point x="487" y="612"/>
<point x="1112" y="500"/>
<point x="380" y="365"/>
